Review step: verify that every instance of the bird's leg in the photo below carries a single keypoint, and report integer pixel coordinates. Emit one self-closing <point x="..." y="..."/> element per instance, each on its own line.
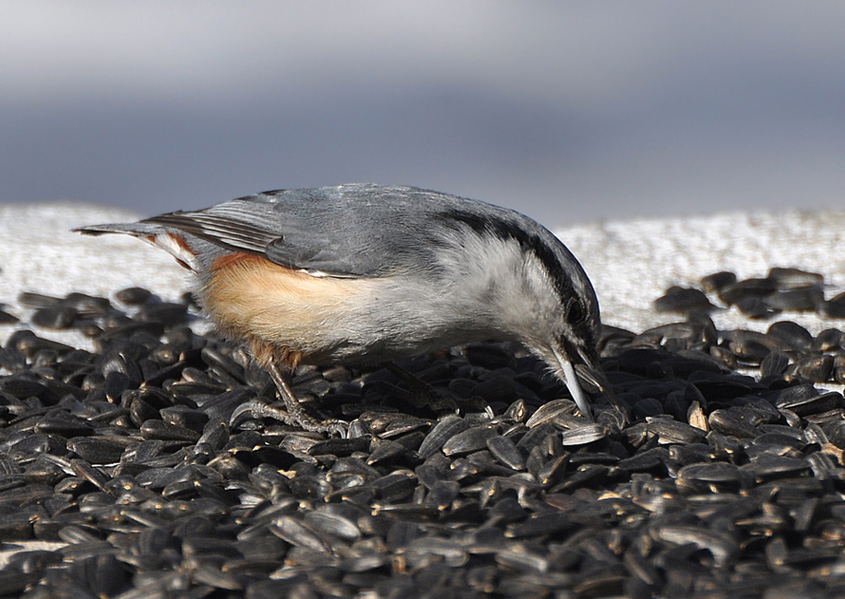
<point x="294" y="414"/>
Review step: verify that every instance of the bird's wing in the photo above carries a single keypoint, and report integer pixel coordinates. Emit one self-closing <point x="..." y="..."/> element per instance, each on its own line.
<point x="344" y="231"/>
<point x="235" y="231"/>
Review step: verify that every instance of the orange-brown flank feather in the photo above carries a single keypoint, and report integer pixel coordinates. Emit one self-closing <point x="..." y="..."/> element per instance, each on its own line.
<point x="275" y="308"/>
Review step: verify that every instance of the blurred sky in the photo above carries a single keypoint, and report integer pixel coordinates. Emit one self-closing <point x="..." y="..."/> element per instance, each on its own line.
<point x="568" y="111"/>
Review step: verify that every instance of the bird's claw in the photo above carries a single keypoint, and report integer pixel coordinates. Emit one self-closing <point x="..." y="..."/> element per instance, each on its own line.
<point x="259" y="409"/>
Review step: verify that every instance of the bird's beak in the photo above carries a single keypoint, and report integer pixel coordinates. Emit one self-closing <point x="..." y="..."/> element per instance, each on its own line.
<point x="571" y="380"/>
<point x="595" y="377"/>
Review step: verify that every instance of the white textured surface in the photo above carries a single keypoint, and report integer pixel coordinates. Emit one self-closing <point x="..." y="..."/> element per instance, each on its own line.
<point x="631" y="263"/>
<point x="40" y="253"/>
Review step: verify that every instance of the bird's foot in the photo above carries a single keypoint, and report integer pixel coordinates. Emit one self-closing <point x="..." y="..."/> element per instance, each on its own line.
<point x="301" y="418"/>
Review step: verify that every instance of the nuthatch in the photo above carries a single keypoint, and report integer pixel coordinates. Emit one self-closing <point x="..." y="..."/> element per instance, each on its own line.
<point x="361" y="274"/>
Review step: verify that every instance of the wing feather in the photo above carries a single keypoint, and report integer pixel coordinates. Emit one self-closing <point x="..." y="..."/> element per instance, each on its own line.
<point x="220" y="230"/>
<point x="344" y="231"/>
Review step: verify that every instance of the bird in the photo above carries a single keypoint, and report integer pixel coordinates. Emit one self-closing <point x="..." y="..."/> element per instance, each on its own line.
<point x="361" y="274"/>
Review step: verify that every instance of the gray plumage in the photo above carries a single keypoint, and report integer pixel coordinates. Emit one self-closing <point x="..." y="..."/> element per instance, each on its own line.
<point x="435" y="271"/>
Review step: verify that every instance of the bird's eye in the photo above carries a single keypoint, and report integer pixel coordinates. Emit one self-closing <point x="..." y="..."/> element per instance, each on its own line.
<point x="574" y="312"/>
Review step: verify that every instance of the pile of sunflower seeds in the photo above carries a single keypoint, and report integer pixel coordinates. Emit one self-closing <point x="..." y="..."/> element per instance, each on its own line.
<point x="467" y="473"/>
<point x="783" y="289"/>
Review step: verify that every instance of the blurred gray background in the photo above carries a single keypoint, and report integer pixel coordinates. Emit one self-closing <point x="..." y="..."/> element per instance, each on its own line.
<point x="568" y="111"/>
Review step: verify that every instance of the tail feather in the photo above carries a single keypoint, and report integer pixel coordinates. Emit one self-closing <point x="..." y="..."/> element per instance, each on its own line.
<point x="136" y="229"/>
<point x="170" y="241"/>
